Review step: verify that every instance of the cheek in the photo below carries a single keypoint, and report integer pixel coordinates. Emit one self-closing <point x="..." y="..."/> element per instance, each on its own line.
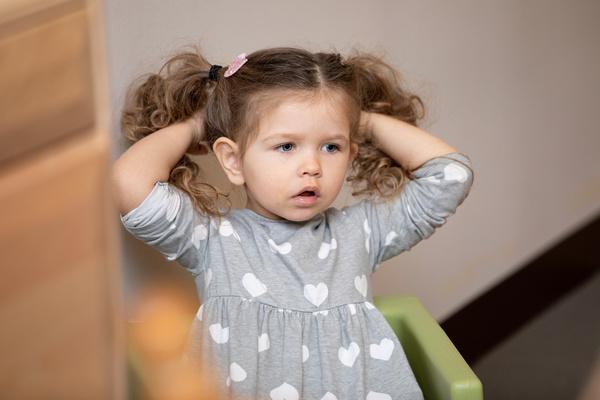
<point x="270" y="170"/>
<point x="339" y="166"/>
<point x="265" y="174"/>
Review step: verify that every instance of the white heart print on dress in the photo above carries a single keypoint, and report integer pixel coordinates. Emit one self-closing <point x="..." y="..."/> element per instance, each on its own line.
<point x="283" y="248"/>
<point x="360" y="283"/>
<point x="200" y="233"/>
<point x="226" y="229"/>
<point x="390" y="237"/>
<point x="329" y="396"/>
<point x="305" y="353"/>
<point x="432" y="179"/>
<point x="316" y="294"/>
<point x="253" y="285"/>
<point x="452" y="172"/>
<point x="218" y="333"/>
<point x="378" y="396"/>
<point x="326" y="247"/>
<point x="383" y="350"/>
<point x="368" y="233"/>
<point x="284" y="392"/>
<point x="352" y="308"/>
<point x="236" y="372"/>
<point x="263" y="342"/>
<point x="348" y="356"/>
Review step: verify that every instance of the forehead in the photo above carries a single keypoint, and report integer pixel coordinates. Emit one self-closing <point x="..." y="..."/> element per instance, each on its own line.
<point x="323" y="113"/>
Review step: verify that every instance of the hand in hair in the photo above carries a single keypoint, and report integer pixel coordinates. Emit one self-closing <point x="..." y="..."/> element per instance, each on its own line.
<point x="196" y="123"/>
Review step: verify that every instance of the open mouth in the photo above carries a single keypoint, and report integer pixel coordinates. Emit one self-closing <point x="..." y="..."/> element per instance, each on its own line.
<point x="309" y="191"/>
<point x="307" y="197"/>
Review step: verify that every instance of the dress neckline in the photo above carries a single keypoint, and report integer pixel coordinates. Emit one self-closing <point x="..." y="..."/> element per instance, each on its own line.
<point x="262" y="218"/>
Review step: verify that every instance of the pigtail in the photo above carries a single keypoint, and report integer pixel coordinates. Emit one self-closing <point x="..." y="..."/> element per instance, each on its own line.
<point x="154" y="101"/>
<point x="377" y="89"/>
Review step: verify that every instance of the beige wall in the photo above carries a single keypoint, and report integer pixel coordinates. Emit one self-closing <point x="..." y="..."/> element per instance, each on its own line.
<point x="512" y="84"/>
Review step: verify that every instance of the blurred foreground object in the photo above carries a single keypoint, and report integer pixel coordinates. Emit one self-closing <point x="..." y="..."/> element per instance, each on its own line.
<point x="156" y="347"/>
<point x="60" y="299"/>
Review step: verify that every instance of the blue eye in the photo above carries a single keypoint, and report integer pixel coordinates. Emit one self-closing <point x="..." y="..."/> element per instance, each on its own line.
<point x="287" y="147"/>
<point x="335" y="146"/>
<point x="281" y="146"/>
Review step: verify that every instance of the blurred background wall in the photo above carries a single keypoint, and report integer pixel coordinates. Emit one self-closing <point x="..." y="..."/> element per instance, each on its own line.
<point x="512" y="84"/>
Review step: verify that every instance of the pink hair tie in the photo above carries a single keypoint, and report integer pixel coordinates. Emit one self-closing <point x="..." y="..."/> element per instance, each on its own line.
<point x="235" y="65"/>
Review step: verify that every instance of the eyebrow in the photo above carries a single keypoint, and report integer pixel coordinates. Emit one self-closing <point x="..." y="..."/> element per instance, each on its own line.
<point x="279" y="136"/>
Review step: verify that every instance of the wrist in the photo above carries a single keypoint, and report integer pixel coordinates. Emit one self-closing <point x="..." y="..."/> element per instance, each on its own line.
<point x="366" y="124"/>
<point x="191" y="125"/>
<point x="194" y="127"/>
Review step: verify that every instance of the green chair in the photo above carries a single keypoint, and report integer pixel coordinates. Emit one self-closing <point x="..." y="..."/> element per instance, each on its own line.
<point x="440" y="370"/>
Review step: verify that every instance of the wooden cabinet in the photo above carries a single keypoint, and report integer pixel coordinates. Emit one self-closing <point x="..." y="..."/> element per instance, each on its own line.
<point x="61" y="329"/>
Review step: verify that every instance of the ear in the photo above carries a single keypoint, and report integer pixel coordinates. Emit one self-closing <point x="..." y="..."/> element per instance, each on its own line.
<point x="228" y="154"/>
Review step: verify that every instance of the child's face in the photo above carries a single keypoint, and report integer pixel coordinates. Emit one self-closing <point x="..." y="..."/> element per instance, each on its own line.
<point x="317" y="152"/>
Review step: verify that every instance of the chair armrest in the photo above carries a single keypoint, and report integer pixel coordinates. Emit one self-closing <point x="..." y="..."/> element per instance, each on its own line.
<point x="440" y="370"/>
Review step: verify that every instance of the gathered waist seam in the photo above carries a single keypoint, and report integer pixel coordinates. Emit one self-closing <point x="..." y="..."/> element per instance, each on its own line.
<point x="366" y="302"/>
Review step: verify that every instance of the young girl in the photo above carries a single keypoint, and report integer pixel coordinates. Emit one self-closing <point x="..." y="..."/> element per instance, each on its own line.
<point x="284" y="283"/>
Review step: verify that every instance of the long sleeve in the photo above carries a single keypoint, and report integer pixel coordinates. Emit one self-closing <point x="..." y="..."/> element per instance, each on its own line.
<point x="390" y="227"/>
<point x="167" y="221"/>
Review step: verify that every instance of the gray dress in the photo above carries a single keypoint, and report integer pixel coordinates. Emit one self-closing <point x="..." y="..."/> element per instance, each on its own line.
<point x="287" y="308"/>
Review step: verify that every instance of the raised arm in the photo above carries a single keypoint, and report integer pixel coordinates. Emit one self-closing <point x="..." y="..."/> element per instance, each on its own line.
<point x="408" y="145"/>
<point x="151" y="159"/>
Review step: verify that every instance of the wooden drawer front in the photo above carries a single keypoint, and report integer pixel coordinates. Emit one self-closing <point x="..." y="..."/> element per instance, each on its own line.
<point x="46" y="86"/>
<point x="57" y="337"/>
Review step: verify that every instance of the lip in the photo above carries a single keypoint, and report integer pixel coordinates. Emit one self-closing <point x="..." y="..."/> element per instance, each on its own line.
<point x="307" y="200"/>
<point x="310" y="189"/>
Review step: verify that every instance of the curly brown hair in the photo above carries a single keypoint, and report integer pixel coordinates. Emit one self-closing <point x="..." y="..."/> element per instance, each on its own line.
<point x="232" y="107"/>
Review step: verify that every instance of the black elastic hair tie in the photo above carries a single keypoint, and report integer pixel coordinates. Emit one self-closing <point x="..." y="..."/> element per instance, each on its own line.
<point x="214" y="72"/>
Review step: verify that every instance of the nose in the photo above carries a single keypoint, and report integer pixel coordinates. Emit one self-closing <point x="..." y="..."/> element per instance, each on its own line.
<point x="310" y="166"/>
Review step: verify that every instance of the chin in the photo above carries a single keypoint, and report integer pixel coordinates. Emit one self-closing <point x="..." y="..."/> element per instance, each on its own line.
<point x="304" y="215"/>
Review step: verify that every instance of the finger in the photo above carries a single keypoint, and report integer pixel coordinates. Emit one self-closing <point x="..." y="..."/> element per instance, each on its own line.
<point x="199" y="148"/>
<point x="203" y="149"/>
